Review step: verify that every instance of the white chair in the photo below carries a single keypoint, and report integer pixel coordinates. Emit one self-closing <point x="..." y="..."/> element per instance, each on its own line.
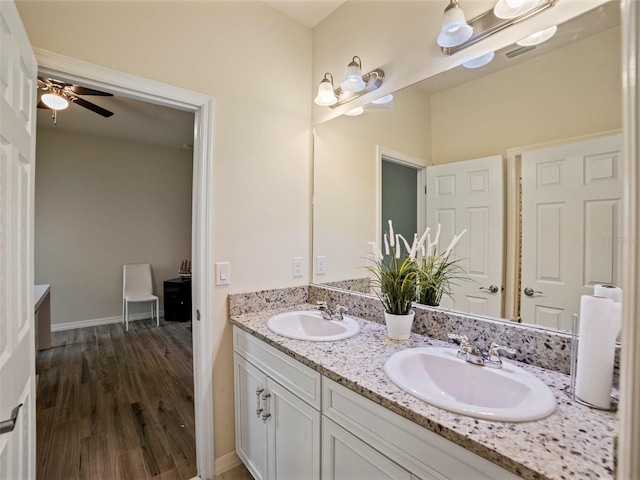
<point x="137" y="287"/>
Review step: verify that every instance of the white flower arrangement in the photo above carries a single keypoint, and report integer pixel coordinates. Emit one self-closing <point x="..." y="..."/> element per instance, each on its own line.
<point x="401" y="279"/>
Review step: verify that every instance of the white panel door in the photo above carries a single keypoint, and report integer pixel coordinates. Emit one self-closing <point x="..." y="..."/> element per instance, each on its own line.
<point x="251" y="432"/>
<point x="294" y="436"/>
<point x="469" y="195"/>
<point x="18" y="69"/>
<point x="571" y="227"/>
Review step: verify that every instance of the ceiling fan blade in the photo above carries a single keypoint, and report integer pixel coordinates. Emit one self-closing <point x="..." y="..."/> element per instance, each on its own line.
<point x="78" y="90"/>
<point x="91" y="106"/>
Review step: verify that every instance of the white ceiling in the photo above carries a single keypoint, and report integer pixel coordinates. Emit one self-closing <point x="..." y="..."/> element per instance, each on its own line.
<point x="307" y="12"/>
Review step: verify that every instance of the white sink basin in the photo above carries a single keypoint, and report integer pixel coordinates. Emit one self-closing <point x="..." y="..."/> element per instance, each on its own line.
<point x="437" y="376"/>
<point x="309" y="325"/>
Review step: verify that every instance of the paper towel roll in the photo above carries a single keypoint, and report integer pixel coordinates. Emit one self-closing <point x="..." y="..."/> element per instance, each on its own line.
<point x="609" y="291"/>
<point x="599" y="327"/>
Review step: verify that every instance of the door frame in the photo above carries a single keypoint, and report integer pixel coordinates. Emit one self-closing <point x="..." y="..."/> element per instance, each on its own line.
<point x="390" y="155"/>
<point x="628" y="465"/>
<point x="124" y="84"/>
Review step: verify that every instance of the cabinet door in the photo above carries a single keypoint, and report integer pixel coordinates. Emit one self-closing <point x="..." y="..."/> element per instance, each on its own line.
<point x="294" y="436"/>
<point x="345" y="457"/>
<point x="251" y="441"/>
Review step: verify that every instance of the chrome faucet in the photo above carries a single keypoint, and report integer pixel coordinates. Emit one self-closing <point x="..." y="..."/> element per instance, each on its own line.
<point x="473" y="354"/>
<point x="331" y="314"/>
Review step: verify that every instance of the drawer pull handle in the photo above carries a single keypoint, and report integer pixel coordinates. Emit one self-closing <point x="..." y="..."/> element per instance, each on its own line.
<point x="259" y="408"/>
<point x="265" y="416"/>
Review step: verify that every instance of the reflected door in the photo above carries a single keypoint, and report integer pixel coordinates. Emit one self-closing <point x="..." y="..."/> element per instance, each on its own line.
<point x="571" y="227"/>
<point x="469" y="195"/>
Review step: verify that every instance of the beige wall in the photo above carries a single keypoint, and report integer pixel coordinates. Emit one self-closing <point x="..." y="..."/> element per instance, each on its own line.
<point x="569" y="92"/>
<point x="101" y="203"/>
<point x="256" y="63"/>
<point x="346" y="172"/>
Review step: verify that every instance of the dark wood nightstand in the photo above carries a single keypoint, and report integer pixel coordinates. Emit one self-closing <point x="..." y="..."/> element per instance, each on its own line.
<point x="177" y="300"/>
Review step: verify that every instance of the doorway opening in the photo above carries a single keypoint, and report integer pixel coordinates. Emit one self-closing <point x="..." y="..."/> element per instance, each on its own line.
<point x="107" y="80"/>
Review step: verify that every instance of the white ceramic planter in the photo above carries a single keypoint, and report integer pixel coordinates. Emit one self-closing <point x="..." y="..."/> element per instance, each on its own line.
<point x="399" y="326"/>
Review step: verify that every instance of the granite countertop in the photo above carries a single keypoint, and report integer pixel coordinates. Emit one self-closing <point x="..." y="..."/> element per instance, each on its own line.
<point x="574" y="442"/>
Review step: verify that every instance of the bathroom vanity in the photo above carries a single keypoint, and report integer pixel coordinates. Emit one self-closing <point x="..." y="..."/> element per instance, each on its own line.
<point x="328" y="410"/>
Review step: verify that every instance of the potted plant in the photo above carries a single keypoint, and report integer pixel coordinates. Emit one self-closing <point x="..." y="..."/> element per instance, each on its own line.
<point x="437" y="272"/>
<point x="395" y="278"/>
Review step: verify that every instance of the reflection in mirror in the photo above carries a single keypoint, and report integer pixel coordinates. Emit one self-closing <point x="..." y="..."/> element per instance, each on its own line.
<point x="535" y="111"/>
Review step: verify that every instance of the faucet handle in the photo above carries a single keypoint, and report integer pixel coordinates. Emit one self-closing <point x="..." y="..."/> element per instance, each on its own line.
<point x="340" y="309"/>
<point x="493" y="356"/>
<point x="495" y="349"/>
<point x="463" y="339"/>
<point x="321" y="304"/>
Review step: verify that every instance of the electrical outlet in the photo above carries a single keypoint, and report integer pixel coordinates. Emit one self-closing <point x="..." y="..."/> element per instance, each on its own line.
<point x="320" y="265"/>
<point x="297" y="266"/>
<point x="223" y="273"/>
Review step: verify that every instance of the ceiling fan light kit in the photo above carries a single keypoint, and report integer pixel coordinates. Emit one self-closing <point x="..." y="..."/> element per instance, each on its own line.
<point x="59" y="95"/>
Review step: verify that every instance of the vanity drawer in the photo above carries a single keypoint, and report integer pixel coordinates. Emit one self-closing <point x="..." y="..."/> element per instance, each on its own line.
<point x="423" y="453"/>
<point x="291" y="374"/>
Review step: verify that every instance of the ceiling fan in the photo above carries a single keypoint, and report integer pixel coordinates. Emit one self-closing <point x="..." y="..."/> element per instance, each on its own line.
<point x="59" y="94"/>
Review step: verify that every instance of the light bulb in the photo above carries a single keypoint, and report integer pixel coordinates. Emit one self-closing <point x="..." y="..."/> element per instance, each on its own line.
<point x="538" y="37"/>
<point x="513" y="8"/>
<point x="480" y="61"/>
<point x="355" y="112"/>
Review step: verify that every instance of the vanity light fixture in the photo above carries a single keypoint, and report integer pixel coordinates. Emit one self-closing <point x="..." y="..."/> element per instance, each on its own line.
<point x="480" y="61"/>
<point x="353" y="86"/>
<point x="455" y="29"/>
<point x="489" y="22"/>
<point x="538" y="37"/>
<point x="353" y="81"/>
<point x="513" y="8"/>
<point x="326" y="96"/>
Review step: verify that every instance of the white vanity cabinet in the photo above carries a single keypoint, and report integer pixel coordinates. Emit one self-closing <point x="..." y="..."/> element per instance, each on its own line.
<point x="282" y="406"/>
<point x="277" y="417"/>
<point x="346" y="457"/>
<point x="425" y="454"/>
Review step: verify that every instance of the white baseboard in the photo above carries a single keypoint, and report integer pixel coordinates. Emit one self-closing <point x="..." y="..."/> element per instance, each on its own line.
<point x="226" y="462"/>
<point x="57" y="327"/>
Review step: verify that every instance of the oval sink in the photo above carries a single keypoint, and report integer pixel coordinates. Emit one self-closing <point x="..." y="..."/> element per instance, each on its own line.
<point x="437" y="376"/>
<point x="309" y="325"/>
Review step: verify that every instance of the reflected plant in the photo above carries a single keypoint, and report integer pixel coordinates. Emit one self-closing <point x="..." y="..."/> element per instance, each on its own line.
<point x="437" y="273"/>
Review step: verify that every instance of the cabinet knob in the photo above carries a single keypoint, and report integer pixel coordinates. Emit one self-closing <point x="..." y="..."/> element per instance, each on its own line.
<point x="265" y="416"/>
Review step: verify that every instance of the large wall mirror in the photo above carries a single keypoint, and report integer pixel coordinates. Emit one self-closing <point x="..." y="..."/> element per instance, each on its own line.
<point x="537" y="129"/>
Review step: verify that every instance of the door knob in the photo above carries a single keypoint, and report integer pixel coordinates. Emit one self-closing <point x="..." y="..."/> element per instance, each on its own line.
<point x="7" y="426"/>
<point x="530" y="292"/>
<point x="491" y="289"/>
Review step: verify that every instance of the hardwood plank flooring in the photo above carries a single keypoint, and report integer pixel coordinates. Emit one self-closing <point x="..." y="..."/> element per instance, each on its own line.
<point x="116" y="405"/>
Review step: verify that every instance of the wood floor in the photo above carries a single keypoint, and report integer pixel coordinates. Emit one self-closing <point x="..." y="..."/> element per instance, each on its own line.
<point x="113" y="405"/>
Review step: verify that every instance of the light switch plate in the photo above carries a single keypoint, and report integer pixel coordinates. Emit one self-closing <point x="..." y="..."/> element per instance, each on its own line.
<point x="297" y="266"/>
<point x="223" y="273"/>
<point x="320" y="265"/>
